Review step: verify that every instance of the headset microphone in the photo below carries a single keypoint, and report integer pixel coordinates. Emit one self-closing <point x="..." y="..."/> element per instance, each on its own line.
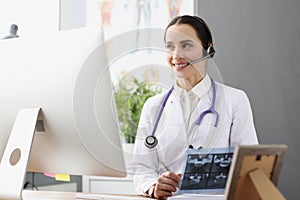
<point x="199" y="59"/>
<point x="210" y="51"/>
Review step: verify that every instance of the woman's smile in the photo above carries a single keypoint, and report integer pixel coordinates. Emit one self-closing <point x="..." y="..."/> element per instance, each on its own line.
<point x="180" y="65"/>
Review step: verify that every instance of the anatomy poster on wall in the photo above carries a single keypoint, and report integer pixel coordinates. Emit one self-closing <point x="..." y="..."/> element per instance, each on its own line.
<point x="129" y="45"/>
<point x="120" y="16"/>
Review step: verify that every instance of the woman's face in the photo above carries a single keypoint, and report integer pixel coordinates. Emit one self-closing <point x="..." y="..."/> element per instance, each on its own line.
<point x="183" y="46"/>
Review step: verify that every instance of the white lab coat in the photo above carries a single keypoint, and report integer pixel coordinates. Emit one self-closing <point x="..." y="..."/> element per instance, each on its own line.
<point x="235" y="127"/>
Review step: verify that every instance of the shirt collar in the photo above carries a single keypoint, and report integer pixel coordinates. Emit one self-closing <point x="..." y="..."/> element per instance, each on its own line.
<point x="200" y="89"/>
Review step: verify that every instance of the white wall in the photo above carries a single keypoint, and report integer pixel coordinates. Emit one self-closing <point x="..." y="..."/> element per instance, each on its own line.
<point x="39" y="17"/>
<point x="73" y="14"/>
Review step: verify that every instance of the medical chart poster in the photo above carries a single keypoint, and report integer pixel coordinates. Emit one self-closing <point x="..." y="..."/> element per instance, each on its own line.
<point x="119" y="18"/>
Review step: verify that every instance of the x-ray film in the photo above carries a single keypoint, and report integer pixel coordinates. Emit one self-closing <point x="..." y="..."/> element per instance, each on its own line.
<point x="206" y="170"/>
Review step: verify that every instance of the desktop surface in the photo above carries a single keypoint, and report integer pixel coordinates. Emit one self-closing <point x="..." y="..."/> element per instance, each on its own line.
<point x="51" y="195"/>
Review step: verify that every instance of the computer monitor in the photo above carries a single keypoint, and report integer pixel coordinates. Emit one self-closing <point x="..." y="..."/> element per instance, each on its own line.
<point x="61" y="83"/>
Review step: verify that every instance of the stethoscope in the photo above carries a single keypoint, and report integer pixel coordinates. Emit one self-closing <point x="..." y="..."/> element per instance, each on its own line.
<point x="151" y="141"/>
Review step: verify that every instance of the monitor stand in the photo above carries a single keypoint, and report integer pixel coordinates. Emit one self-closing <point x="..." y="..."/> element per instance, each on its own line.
<point x="13" y="165"/>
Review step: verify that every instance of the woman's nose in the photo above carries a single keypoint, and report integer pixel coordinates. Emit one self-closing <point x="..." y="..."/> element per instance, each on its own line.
<point x="176" y="54"/>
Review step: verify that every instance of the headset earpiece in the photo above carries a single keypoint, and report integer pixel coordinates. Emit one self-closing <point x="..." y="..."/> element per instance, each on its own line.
<point x="211" y="50"/>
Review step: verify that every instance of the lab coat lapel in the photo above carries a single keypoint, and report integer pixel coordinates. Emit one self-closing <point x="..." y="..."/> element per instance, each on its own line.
<point x="174" y="111"/>
<point x="173" y="119"/>
<point x="174" y="135"/>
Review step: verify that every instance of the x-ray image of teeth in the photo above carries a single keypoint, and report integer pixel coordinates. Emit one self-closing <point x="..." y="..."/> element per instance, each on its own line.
<point x="206" y="170"/>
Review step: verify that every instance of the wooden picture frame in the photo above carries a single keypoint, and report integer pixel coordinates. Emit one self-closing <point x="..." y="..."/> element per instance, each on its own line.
<point x="254" y="172"/>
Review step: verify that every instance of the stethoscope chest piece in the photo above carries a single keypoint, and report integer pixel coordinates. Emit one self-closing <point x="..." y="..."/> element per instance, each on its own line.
<point x="151" y="141"/>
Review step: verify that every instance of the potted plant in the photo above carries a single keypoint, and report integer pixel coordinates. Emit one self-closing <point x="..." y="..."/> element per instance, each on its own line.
<point x="130" y="95"/>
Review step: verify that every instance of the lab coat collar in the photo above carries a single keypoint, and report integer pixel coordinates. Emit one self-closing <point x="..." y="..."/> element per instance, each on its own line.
<point x="200" y="89"/>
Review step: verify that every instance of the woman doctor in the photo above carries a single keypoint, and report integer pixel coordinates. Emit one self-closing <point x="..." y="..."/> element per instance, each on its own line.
<point x="157" y="166"/>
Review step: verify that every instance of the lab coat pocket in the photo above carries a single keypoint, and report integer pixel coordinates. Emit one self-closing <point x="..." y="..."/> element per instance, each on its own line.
<point x="210" y="136"/>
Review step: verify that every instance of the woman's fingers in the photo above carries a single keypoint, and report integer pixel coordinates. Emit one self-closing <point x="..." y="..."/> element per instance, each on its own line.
<point x="179" y="175"/>
<point x="166" y="184"/>
<point x="166" y="187"/>
<point x="161" y="194"/>
<point x="173" y="176"/>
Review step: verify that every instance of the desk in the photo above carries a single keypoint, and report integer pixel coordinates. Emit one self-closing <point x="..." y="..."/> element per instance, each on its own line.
<point x="47" y="195"/>
<point x="34" y="195"/>
<point x="51" y="195"/>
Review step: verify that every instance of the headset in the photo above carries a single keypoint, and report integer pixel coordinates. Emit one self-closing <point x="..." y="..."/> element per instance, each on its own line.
<point x="210" y="50"/>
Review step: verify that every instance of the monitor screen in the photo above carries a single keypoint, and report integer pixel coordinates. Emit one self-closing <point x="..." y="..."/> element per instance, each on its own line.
<point x="67" y="77"/>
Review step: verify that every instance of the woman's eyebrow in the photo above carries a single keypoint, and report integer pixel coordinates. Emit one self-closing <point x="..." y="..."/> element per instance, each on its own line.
<point x="169" y="42"/>
<point x="184" y="41"/>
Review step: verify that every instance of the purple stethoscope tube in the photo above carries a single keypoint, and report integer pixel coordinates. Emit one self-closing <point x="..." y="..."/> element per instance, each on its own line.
<point x="151" y="141"/>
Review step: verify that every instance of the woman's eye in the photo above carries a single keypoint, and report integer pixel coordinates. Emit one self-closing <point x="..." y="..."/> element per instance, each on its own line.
<point x="186" y="45"/>
<point x="170" y="47"/>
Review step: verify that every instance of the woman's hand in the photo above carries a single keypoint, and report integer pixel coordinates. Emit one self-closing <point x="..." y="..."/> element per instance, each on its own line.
<point x="167" y="183"/>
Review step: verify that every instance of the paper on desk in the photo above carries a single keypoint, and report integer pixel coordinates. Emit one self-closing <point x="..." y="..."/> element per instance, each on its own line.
<point x="197" y="197"/>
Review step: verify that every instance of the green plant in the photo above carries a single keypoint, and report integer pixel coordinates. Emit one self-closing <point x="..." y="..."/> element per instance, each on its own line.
<point x="130" y="95"/>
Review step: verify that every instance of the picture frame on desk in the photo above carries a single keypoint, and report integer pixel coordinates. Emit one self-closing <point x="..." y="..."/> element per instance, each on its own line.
<point x="254" y="172"/>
